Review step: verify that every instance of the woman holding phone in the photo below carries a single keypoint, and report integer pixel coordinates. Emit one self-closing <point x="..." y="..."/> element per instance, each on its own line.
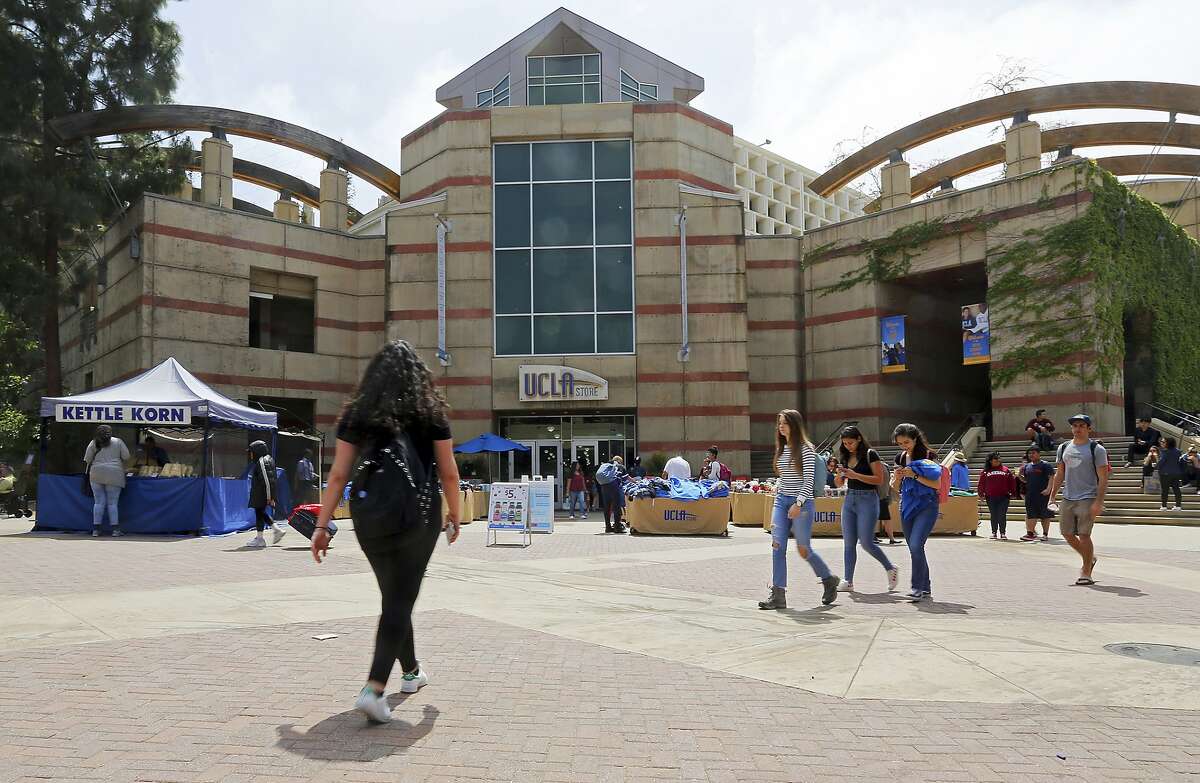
<point x="917" y="479"/>
<point x="397" y="393"/>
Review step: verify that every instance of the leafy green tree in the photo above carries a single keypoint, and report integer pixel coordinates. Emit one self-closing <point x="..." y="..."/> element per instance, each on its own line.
<point x="58" y="57"/>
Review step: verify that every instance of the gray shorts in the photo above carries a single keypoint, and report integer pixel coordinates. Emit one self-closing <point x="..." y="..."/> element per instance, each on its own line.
<point x="1075" y="517"/>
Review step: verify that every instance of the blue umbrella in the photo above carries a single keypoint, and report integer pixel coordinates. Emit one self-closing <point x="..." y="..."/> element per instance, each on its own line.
<point x="488" y="442"/>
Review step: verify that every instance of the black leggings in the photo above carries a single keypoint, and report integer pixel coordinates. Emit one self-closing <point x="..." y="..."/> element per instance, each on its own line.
<point x="998" y="507"/>
<point x="610" y="497"/>
<point x="262" y="518"/>
<point x="1170" y="483"/>
<point x="399" y="567"/>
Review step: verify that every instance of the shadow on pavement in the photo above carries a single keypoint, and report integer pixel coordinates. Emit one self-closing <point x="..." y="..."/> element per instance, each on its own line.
<point x="348" y="736"/>
<point x="877" y="598"/>
<point x="818" y="615"/>
<point x="1123" y="592"/>
<point x="942" y="607"/>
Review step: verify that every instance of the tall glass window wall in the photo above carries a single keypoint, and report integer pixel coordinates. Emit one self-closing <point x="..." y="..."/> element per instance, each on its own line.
<point x="564" y="78"/>
<point x="563" y="238"/>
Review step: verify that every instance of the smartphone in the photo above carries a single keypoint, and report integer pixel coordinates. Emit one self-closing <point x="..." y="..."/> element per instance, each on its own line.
<point x="449" y="531"/>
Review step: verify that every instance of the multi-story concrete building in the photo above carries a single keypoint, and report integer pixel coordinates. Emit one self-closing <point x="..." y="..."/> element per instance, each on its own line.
<point x="591" y="266"/>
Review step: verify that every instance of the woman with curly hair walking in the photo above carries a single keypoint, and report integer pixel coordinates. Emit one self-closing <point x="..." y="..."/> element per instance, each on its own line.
<point x="396" y="395"/>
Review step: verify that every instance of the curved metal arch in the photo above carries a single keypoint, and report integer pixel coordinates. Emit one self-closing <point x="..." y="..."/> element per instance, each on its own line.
<point x="124" y="119"/>
<point x="1162" y="96"/>
<point x="267" y="177"/>
<point x="1096" y="135"/>
<point x="1135" y="165"/>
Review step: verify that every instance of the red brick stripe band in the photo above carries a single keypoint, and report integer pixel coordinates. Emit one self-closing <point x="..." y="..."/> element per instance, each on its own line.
<point x="431" y="247"/>
<point x="429" y="315"/>
<point x="693" y="241"/>
<point x="292" y="384"/>
<point x="845" y="315"/>
<point x="471" y="415"/>
<point x="448" y="182"/>
<point x="694" y="308"/>
<point x="463" y="380"/>
<point x="441" y="119"/>
<point x="692" y="377"/>
<point x="259" y="247"/>
<point x="350" y="326"/>
<point x="668" y="107"/>
<point x="774" y="263"/>
<point x="695" y="410"/>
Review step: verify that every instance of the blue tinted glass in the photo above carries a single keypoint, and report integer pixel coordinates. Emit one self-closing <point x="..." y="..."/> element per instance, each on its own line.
<point x="562" y="214"/>
<point x="537" y="96"/>
<point x="512" y="162"/>
<point x="612" y="160"/>
<point x="562" y="281"/>
<point x="556" y="334"/>
<point x="558" y="94"/>
<point x="511" y="213"/>
<point x="614" y="333"/>
<point x="535" y="66"/>
<point x="512" y="336"/>
<point x="614" y="278"/>
<point x="591" y="93"/>
<point x="613" y="225"/>
<point x="559" y="66"/>
<point x="512" y="281"/>
<point x="562" y="160"/>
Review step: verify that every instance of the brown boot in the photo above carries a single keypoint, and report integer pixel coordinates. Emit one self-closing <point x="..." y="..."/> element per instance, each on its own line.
<point x="776" y="600"/>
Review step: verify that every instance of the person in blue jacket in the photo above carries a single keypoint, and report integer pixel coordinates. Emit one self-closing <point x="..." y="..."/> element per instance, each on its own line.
<point x="917" y="479"/>
<point x="960" y="474"/>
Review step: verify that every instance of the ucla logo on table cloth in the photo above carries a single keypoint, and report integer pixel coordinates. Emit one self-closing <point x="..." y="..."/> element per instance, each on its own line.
<point x="677" y="515"/>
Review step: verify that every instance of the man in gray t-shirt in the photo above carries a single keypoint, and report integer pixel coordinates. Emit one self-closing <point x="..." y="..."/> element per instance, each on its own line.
<point x="1082" y="473"/>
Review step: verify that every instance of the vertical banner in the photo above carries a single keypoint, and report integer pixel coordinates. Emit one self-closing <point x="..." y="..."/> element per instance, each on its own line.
<point x="976" y="334"/>
<point x="443" y="228"/>
<point x="891" y="343"/>
<point x="684" y="347"/>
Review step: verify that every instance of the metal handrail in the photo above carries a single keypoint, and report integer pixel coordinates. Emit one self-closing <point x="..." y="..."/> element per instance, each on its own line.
<point x="836" y="433"/>
<point x="1183" y="417"/>
<point x="955" y="439"/>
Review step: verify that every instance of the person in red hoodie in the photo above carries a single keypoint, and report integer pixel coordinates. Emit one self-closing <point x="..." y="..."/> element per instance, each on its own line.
<point x="997" y="485"/>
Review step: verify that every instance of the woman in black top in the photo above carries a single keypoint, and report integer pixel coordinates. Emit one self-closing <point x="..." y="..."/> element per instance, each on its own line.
<point x="396" y="394"/>
<point x="860" y="470"/>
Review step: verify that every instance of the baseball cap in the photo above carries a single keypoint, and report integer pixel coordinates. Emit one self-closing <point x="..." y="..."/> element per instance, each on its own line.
<point x="1083" y="417"/>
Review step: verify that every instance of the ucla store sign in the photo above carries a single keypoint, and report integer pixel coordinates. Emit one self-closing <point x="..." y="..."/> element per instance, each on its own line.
<point x="554" y="383"/>
<point x="124" y="414"/>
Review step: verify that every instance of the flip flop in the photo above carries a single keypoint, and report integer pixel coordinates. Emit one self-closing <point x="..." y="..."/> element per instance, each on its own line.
<point x="1085" y="580"/>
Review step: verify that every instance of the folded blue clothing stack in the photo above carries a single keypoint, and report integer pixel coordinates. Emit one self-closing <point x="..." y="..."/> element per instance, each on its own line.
<point x="687" y="489"/>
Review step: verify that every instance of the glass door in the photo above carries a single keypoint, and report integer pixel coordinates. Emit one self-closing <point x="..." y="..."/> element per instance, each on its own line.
<point x="542" y="459"/>
<point x="586" y="451"/>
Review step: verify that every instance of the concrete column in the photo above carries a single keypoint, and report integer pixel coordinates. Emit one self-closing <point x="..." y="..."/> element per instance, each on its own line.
<point x="334" y="208"/>
<point x="216" y="172"/>
<point x="1022" y="148"/>
<point x="896" y="184"/>
<point x="286" y="209"/>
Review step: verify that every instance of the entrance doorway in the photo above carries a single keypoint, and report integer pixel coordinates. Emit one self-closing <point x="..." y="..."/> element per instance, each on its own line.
<point x="544" y="458"/>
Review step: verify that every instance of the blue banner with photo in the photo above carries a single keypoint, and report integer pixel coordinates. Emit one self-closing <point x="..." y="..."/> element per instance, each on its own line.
<point x="891" y="343"/>
<point x="976" y="334"/>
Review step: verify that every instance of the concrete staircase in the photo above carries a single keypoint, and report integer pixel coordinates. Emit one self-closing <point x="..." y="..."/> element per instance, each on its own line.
<point x="1124" y="504"/>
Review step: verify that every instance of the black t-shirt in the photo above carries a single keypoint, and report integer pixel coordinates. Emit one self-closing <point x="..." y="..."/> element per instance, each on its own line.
<point x="374" y="437"/>
<point x="864" y="470"/>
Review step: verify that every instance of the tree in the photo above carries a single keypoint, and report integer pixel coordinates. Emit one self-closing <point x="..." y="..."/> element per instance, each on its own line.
<point x="870" y="183"/>
<point x="58" y="57"/>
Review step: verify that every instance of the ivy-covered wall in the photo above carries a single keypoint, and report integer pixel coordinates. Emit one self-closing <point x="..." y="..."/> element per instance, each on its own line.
<point x="1121" y="255"/>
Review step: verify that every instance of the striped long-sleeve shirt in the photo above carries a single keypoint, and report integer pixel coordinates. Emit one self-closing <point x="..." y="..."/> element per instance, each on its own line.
<point x="792" y="483"/>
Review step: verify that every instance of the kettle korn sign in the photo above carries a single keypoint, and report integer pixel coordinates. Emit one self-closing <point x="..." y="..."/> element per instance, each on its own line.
<point x="124" y="414"/>
<point x="545" y="382"/>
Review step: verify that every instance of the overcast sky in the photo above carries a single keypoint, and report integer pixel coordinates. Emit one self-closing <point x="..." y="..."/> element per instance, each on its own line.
<point x="804" y="74"/>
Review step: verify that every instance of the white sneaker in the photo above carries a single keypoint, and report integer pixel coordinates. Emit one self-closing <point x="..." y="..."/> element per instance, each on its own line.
<point x="1164" y="508"/>
<point x="893" y="575"/>
<point x="572" y="516"/>
<point x="280" y="532"/>
<point x="411" y="683"/>
<point x="845" y="587"/>
<point x="373" y="705"/>
<point x="95" y="532"/>
<point x="117" y="533"/>
<point x="258" y="543"/>
<point x="1177" y="508"/>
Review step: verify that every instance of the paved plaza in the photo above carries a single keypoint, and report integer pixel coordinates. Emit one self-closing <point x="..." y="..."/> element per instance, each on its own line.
<point x="596" y="657"/>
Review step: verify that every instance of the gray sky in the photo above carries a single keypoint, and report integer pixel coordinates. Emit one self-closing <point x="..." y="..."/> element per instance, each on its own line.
<point x="804" y="74"/>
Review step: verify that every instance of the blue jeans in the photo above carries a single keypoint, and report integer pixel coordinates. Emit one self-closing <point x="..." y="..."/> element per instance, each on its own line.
<point x="579" y="499"/>
<point x="801" y="529"/>
<point x="916" y="533"/>
<point x="104" y="496"/>
<point x="860" y="517"/>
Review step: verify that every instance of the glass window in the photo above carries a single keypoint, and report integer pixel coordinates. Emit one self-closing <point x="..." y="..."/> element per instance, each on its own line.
<point x="592" y="64"/>
<point x="535" y="66"/>
<point x="512" y="162"/>
<point x="562" y="79"/>
<point x="537" y="96"/>
<point x="614" y="279"/>
<point x="511" y="215"/>
<point x="633" y="90"/>
<point x="565" y="285"/>
<point x="562" y="214"/>
<point x="614" y="333"/>
<point x="562" y="281"/>
<point x="591" y="93"/>
<point x="497" y="96"/>
<point x="512" y="281"/>
<point x="613" y="220"/>
<point x="562" y="160"/>
<point x="612" y="160"/>
<point x="564" y="65"/>
<point x="512" y="335"/>
<point x="560" y="94"/>
<point x="557" y="334"/>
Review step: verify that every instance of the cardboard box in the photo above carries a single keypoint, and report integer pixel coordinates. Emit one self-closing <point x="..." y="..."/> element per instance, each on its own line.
<point x="660" y="516"/>
<point x="479" y="501"/>
<point x="750" y="509"/>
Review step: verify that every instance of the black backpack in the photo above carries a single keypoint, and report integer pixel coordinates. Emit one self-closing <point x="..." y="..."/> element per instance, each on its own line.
<point x="392" y="491"/>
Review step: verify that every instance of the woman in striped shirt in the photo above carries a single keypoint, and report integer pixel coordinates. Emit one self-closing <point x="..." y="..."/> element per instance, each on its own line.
<point x="796" y="465"/>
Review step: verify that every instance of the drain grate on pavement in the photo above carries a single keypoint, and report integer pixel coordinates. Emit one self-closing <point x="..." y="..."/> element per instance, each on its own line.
<point x="1157" y="653"/>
